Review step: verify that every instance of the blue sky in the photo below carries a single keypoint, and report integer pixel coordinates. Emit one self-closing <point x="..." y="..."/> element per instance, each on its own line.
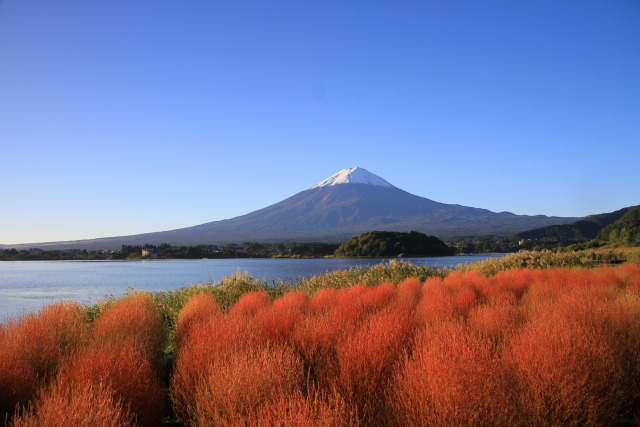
<point x="120" y="117"/>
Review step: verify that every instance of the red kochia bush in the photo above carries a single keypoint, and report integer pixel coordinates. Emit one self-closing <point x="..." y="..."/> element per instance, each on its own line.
<point x="451" y="378"/>
<point x="436" y="302"/>
<point x="315" y="338"/>
<point x="87" y="405"/>
<point x="408" y="292"/>
<point x="17" y="377"/>
<point x="249" y="304"/>
<point x="46" y="337"/>
<point x="32" y="348"/>
<point x="568" y="361"/>
<point x="128" y="373"/>
<point x="377" y="297"/>
<point x="237" y="385"/>
<point x="277" y="321"/>
<point x="133" y="320"/>
<point x="367" y="357"/>
<point x="332" y="316"/>
<point x="498" y="318"/>
<point x="323" y="300"/>
<point x="198" y="308"/>
<point x="206" y="341"/>
<point x="298" y="409"/>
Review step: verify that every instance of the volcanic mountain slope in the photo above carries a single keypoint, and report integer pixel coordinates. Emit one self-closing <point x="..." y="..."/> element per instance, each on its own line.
<point x="348" y="203"/>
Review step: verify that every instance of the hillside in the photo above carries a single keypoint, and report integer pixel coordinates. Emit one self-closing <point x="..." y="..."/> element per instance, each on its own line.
<point x="579" y="231"/>
<point x="625" y="230"/>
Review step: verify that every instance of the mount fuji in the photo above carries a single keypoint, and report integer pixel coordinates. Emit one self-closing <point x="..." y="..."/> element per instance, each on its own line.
<point x="348" y="203"/>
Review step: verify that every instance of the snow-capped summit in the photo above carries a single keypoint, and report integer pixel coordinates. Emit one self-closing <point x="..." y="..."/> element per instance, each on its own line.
<point x="353" y="176"/>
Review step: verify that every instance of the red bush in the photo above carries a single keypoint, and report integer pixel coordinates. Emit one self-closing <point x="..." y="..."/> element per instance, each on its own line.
<point x="239" y="384"/>
<point x="436" y="302"/>
<point x="249" y="304"/>
<point x="408" y="292"/>
<point x="207" y="341"/>
<point x="323" y="300"/>
<point x="17" y="377"/>
<point x="568" y="365"/>
<point x="126" y="370"/>
<point x="377" y="297"/>
<point x="278" y="320"/>
<point x="133" y="320"/>
<point x="452" y="378"/>
<point x="516" y="280"/>
<point x="87" y="405"/>
<point x="367" y="357"/>
<point x="316" y="336"/>
<point x="500" y="317"/>
<point x="198" y="308"/>
<point x="46" y="337"/>
<point x="297" y="409"/>
<point x="32" y="348"/>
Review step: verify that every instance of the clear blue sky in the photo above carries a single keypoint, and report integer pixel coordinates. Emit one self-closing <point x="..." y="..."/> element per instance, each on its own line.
<point x="122" y="117"/>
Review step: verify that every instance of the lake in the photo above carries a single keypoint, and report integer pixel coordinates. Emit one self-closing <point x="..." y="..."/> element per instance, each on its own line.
<point x="29" y="285"/>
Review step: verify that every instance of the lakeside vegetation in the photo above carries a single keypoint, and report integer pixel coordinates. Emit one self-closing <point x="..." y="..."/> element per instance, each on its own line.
<point x="167" y="251"/>
<point x="505" y="341"/>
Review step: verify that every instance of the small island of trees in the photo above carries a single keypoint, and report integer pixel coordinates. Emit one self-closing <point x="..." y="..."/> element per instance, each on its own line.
<point x="393" y="244"/>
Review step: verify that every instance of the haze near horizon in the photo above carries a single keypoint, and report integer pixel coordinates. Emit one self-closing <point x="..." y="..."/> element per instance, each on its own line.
<point x="120" y="118"/>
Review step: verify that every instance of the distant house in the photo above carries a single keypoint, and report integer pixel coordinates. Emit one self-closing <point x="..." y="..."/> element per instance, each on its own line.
<point x="149" y="252"/>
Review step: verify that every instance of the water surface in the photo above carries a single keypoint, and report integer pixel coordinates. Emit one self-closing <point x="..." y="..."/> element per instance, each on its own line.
<point x="28" y="285"/>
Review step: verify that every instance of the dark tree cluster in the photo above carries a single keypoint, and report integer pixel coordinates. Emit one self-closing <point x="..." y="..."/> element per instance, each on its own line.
<point x="393" y="244"/>
<point x="34" y="254"/>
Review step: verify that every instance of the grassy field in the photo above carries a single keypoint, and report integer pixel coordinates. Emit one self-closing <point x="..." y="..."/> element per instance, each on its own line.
<point x="534" y="338"/>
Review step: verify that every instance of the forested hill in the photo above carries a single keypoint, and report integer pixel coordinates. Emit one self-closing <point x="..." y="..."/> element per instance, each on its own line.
<point x="580" y="231"/>
<point x="625" y="230"/>
<point x="393" y="244"/>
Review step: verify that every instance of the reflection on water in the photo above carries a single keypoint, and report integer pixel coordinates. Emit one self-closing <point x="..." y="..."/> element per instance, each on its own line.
<point x="29" y="285"/>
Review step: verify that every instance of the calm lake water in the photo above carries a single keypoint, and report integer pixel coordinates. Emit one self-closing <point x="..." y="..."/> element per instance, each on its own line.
<point x="29" y="285"/>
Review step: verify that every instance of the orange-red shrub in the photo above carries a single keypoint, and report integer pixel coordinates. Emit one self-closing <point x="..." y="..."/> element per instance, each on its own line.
<point x="436" y="302"/>
<point x="516" y="280"/>
<point x="315" y="338"/>
<point x="133" y="320"/>
<point x="206" y="341"/>
<point x="277" y="321"/>
<point x="377" y="297"/>
<point x="32" y="348"/>
<point x="126" y="370"/>
<point x="46" y="337"/>
<point x="250" y="303"/>
<point x="87" y="405"/>
<point x="408" y="292"/>
<point x="198" y="308"/>
<point x="298" y="409"/>
<point x="568" y="362"/>
<point x="359" y="301"/>
<point x="235" y="386"/>
<point x="17" y="377"/>
<point x="367" y="357"/>
<point x="323" y="300"/>
<point x="498" y="318"/>
<point x="451" y="378"/>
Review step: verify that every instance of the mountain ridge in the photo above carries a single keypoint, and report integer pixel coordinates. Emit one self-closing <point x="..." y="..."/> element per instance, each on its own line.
<point x="350" y="202"/>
